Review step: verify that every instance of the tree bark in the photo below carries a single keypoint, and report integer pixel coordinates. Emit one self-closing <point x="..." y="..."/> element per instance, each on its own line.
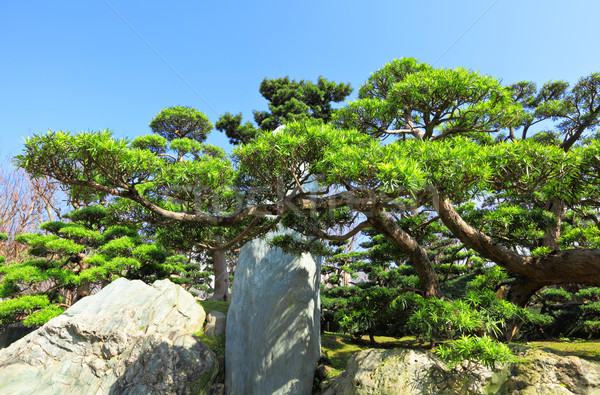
<point x="521" y="290"/>
<point x="519" y="293"/>
<point x="550" y="240"/>
<point x="221" y="292"/>
<point x="418" y="257"/>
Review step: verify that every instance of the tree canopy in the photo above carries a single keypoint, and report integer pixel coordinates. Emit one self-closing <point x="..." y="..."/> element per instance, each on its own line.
<point x="458" y="151"/>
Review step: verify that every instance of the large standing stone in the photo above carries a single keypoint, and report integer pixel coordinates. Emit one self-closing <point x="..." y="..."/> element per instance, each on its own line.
<point x="273" y="323"/>
<point x="130" y="338"/>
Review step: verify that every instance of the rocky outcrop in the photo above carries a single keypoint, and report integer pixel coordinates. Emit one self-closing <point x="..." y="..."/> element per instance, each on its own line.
<point x="417" y="372"/>
<point x="130" y="338"/>
<point x="542" y="372"/>
<point x="273" y="325"/>
<point x="398" y="372"/>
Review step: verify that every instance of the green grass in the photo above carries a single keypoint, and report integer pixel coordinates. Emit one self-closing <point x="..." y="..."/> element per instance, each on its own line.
<point x="213" y="305"/>
<point x="215" y="343"/>
<point x="340" y="347"/>
<point x="586" y="349"/>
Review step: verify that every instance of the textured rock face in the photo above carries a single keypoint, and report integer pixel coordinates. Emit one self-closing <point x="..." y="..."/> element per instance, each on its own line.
<point x="215" y="323"/>
<point x="273" y="323"/>
<point x="546" y="373"/>
<point x="130" y="338"/>
<point x="416" y="372"/>
<point x="397" y="372"/>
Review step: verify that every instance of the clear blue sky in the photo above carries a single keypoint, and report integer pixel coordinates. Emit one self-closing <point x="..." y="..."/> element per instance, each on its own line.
<point x="78" y="65"/>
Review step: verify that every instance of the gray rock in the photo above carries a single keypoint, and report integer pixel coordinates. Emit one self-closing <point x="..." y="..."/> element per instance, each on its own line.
<point x="542" y="372"/>
<point x="215" y="323"/>
<point x="391" y="372"/>
<point x="130" y="338"/>
<point x="416" y="372"/>
<point x="273" y="323"/>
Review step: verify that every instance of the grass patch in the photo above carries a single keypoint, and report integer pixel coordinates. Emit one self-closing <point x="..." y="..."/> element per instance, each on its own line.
<point x="215" y="343"/>
<point x="586" y="349"/>
<point x="339" y="347"/>
<point x="214" y="305"/>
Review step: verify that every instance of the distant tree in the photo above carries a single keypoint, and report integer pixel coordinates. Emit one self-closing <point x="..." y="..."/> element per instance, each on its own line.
<point x="288" y="101"/>
<point x="181" y="122"/>
<point x="25" y="203"/>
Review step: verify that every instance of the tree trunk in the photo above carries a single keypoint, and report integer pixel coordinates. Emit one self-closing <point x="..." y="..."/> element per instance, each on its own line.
<point x="557" y="208"/>
<point x="221" y="276"/>
<point x="418" y="257"/>
<point x="519" y="293"/>
<point x="581" y="266"/>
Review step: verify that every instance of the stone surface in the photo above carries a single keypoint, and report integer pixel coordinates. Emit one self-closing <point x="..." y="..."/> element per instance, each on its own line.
<point x="130" y="338"/>
<point x="273" y="325"/>
<point x="543" y="372"/>
<point x="215" y="323"/>
<point x="417" y="372"/>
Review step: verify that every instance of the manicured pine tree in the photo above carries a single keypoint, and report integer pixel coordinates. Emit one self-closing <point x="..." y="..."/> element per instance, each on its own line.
<point x="72" y="258"/>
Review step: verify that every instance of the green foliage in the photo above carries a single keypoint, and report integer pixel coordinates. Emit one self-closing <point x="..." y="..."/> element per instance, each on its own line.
<point x="12" y="309"/>
<point x="365" y="310"/>
<point x="436" y="319"/>
<point x="289" y="101"/>
<point x="42" y="316"/>
<point x="491" y="280"/>
<point x="406" y="94"/>
<point x="456" y="145"/>
<point x="237" y="133"/>
<point x="90" y="249"/>
<point x="591" y="293"/>
<point x="296" y="101"/>
<point x="179" y="122"/>
<point x="151" y="142"/>
<point x="556" y="295"/>
<point x="121" y="246"/>
<point x="476" y="350"/>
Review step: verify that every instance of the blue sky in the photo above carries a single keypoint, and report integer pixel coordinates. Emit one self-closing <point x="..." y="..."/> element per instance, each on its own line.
<point x="96" y="64"/>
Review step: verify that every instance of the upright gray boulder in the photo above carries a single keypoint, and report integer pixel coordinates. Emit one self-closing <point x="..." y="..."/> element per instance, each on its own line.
<point x="130" y="338"/>
<point x="273" y="323"/>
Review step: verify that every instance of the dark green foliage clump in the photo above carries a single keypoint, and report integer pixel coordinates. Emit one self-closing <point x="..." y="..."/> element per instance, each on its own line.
<point x="289" y="101"/>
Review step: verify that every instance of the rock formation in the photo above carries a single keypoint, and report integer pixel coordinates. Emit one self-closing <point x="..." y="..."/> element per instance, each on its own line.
<point x="412" y="372"/>
<point x="273" y="323"/>
<point x="130" y="338"/>
<point x="215" y="323"/>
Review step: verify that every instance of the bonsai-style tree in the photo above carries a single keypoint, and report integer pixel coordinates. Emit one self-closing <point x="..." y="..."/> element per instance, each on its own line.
<point x="451" y="155"/>
<point x="88" y="251"/>
<point x="288" y="101"/>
